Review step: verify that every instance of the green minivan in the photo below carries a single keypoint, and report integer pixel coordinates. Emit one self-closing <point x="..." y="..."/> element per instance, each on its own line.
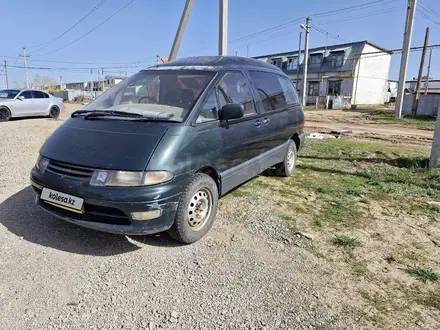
<point x="155" y="152"/>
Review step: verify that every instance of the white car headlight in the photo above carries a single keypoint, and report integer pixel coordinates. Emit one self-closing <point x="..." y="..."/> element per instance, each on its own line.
<point x="102" y="178"/>
<point x="41" y="164"/>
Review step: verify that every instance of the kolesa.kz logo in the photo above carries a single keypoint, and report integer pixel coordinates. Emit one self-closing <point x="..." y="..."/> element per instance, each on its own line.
<point x="58" y="198"/>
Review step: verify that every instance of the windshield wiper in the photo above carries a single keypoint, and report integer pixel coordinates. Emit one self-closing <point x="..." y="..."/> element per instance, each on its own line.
<point x="103" y="113"/>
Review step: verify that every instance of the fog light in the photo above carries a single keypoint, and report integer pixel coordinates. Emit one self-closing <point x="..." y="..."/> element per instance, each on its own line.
<point x="147" y="215"/>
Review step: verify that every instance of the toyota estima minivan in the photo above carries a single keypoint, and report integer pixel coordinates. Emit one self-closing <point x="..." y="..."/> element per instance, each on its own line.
<point x="155" y="152"/>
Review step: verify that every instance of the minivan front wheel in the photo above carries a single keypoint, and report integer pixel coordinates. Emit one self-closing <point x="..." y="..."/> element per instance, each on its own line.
<point x="196" y="210"/>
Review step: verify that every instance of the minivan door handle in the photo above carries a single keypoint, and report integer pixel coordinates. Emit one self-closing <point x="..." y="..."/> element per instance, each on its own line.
<point x="258" y="123"/>
<point x="266" y="121"/>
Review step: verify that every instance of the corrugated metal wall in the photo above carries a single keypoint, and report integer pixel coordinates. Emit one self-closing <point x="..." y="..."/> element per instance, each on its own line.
<point x="428" y="104"/>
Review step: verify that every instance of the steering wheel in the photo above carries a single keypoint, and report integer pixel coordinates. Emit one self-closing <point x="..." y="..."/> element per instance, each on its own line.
<point x="141" y="100"/>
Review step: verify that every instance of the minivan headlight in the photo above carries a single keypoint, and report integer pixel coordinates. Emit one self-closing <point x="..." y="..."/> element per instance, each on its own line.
<point x="102" y="178"/>
<point x="41" y="164"/>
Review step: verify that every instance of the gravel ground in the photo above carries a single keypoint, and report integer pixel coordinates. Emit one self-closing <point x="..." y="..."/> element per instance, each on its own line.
<point x="246" y="274"/>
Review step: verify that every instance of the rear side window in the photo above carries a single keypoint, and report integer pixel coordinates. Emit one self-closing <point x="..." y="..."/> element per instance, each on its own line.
<point x="289" y="90"/>
<point x="276" y="92"/>
<point x="38" y="95"/>
<point x="26" y="94"/>
<point x="46" y="96"/>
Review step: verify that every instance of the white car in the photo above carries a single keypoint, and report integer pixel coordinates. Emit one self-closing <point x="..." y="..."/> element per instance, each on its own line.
<point x="28" y="102"/>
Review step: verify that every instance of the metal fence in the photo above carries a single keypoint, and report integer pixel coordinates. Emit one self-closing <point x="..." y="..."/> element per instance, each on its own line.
<point x="428" y="104"/>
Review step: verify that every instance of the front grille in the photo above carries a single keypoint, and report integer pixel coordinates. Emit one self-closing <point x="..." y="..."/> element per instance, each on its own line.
<point x="76" y="172"/>
<point x="92" y="213"/>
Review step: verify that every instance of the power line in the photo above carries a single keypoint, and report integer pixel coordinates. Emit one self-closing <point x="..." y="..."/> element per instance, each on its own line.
<point x="426" y="13"/>
<point x="97" y="63"/>
<point x="91" y="11"/>
<point x="317" y="28"/>
<point x="350" y="18"/>
<point x="322" y="14"/>
<point x="87" y="33"/>
<point x="354" y="8"/>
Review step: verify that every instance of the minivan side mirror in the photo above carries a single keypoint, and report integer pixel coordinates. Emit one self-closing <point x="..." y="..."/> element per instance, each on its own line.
<point x="21" y="98"/>
<point x="231" y="111"/>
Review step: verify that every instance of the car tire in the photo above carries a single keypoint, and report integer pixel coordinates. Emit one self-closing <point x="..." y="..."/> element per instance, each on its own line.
<point x="54" y="112"/>
<point x="197" y="209"/>
<point x="5" y="114"/>
<point x="287" y="167"/>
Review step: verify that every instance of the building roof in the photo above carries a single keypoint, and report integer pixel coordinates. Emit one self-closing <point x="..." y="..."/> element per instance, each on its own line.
<point x="215" y="62"/>
<point x="331" y="48"/>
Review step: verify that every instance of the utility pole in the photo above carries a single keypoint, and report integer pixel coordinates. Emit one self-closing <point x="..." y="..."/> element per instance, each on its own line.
<point x="434" y="160"/>
<point x="61" y="83"/>
<point x="25" y="67"/>
<point x="103" y="84"/>
<point x="412" y="4"/>
<point x="223" y="28"/>
<point x="247" y="50"/>
<point x="306" y="60"/>
<point x="181" y="30"/>
<point x="429" y="71"/>
<point x="6" y="75"/>
<point x="299" y="58"/>
<point x="91" y="81"/>
<point x="419" y="78"/>
<point x="3" y="80"/>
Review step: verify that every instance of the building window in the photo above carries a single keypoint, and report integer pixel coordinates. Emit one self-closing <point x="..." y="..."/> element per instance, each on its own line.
<point x="315" y="61"/>
<point x="337" y="60"/>
<point x="334" y="87"/>
<point x="313" y="88"/>
<point x="292" y="63"/>
<point x="277" y="62"/>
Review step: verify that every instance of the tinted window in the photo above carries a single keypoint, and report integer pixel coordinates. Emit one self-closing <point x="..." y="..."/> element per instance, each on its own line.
<point x="46" y="96"/>
<point x="9" y="93"/>
<point x="209" y="109"/>
<point x="270" y="90"/>
<point x="234" y="88"/>
<point x="289" y="90"/>
<point x="26" y="94"/>
<point x="38" y="95"/>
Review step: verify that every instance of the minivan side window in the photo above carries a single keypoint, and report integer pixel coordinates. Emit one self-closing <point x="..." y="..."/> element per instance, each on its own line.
<point x="209" y="110"/>
<point x="289" y="90"/>
<point x="275" y="91"/>
<point x="234" y="88"/>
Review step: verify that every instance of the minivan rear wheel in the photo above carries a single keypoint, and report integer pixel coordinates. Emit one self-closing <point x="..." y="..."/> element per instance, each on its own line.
<point x="196" y="210"/>
<point x="287" y="167"/>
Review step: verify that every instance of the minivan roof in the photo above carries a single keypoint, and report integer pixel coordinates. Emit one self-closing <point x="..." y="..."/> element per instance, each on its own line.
<point x="216" y="63"/>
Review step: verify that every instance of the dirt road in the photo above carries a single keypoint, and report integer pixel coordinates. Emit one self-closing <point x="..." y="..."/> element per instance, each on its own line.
<point x="362" y="127"/>
<point x="247" y="274"/>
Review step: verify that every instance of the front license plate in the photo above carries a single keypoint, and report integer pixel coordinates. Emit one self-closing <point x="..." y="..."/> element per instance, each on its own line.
<point x="62" y="200"/>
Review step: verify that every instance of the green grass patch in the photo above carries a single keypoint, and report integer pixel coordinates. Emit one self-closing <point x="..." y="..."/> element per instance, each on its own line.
<point x="346" y="241"/>
<point x="423" y="122"/>
<point x="423" y="274"/>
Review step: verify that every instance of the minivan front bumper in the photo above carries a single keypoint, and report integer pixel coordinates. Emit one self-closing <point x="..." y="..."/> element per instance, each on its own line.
<point x="109" y="209"/>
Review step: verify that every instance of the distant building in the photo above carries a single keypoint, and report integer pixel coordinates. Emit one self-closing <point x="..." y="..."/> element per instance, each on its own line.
<point x="108" y="81"/>
<point x="431" y="87"/>
<point x="358" y="72"/>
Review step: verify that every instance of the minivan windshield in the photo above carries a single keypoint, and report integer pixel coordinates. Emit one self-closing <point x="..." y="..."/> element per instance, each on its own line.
<point x="9" y="93"/>
<point x="166" y="94"/>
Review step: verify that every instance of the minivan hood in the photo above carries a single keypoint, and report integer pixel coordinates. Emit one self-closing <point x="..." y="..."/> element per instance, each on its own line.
<point x="105" y="144"/>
